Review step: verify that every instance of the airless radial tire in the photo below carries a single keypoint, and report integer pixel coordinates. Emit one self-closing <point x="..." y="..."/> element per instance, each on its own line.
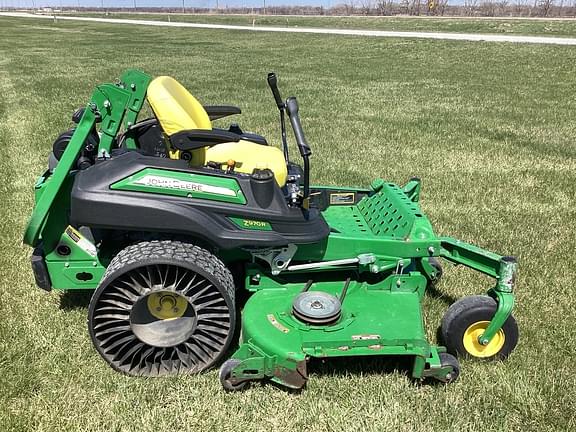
<point x="163" y="307"/>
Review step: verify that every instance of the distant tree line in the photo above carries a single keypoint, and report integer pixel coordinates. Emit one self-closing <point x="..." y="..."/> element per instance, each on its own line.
<point x="471" y="8"/>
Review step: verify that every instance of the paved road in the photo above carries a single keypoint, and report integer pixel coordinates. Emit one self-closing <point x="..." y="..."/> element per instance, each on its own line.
<point x="328" y="31"/>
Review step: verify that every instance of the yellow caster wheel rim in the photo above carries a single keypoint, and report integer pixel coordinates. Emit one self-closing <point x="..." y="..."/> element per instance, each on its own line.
<point x="475" y="348"/>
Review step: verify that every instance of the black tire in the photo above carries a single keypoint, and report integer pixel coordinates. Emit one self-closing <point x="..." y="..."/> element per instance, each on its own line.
<point x="476" y="311"/>
<point x="126" y="329"/>
<point x="52" y="162"/>
<point x="224" y="376"/>
<point x="447" y="359"/>
<point x="62" y="141"/>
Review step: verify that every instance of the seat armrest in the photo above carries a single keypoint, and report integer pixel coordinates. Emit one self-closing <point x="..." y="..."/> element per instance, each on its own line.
<point x="216" y="112"/>
<point x="198" y="138"/>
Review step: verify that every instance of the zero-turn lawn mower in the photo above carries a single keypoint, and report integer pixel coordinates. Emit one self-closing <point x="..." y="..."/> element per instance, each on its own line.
<point x="169" y="219"/>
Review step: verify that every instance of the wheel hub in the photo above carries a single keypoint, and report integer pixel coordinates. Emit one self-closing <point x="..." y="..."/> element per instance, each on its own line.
<point x="162" y="319"/>
<point x="471" y="340"/>
<point x="166" y="305"/>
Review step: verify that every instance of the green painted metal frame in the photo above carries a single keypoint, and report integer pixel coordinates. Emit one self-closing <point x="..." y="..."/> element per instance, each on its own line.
<point x="112" y="106"/>
<point x="112" y="103"/>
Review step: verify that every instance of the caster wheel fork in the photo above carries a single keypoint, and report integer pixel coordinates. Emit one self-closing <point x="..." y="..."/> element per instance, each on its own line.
<point x="230" y="383"/>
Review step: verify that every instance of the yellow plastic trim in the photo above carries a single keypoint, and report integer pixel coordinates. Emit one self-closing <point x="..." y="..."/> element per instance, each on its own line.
<point x="175" y="108"/>
<point x="474" y="348"/>
<point x="166" y="305"/>
<point x="174" y="154"/>
<point x="248" y="156"/>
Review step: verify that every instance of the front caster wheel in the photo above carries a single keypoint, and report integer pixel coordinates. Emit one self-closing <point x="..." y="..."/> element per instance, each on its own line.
<point x="225" y="375"/>
<point x="467" y="319"/>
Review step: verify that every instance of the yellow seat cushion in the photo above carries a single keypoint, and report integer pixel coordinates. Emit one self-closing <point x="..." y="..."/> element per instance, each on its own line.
<point x="175" y="108"/>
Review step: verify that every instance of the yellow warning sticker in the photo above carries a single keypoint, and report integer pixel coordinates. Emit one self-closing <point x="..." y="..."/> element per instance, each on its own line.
<point x="81" y="241"/>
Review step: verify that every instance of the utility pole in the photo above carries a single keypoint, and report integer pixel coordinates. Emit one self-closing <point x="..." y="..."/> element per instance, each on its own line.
<point x="183" y="7"/>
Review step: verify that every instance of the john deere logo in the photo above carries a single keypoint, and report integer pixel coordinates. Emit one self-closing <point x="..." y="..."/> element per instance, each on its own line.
<point x="172" y="183"/>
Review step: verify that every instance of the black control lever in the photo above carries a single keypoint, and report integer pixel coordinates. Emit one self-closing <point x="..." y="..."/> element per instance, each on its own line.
<point x="292" y="108"/>
<point x="305" y="152"/>
<point x="273" y="83"/>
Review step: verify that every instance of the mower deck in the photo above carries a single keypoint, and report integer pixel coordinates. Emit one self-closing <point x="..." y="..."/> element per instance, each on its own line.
<point x="380" y="301"/>
<point x="375" y="320"/>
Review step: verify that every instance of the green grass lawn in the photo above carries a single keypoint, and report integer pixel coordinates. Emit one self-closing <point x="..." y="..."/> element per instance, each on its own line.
<point x="563" y="28"/>
<point x="489" y="127"/>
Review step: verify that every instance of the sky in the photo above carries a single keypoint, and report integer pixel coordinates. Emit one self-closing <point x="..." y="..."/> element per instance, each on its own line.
<point x="156" y="3"/>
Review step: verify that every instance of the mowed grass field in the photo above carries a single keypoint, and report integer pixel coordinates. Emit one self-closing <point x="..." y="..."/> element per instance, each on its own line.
<point x="540" y="27"/>
<point x="491" y="130"/>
